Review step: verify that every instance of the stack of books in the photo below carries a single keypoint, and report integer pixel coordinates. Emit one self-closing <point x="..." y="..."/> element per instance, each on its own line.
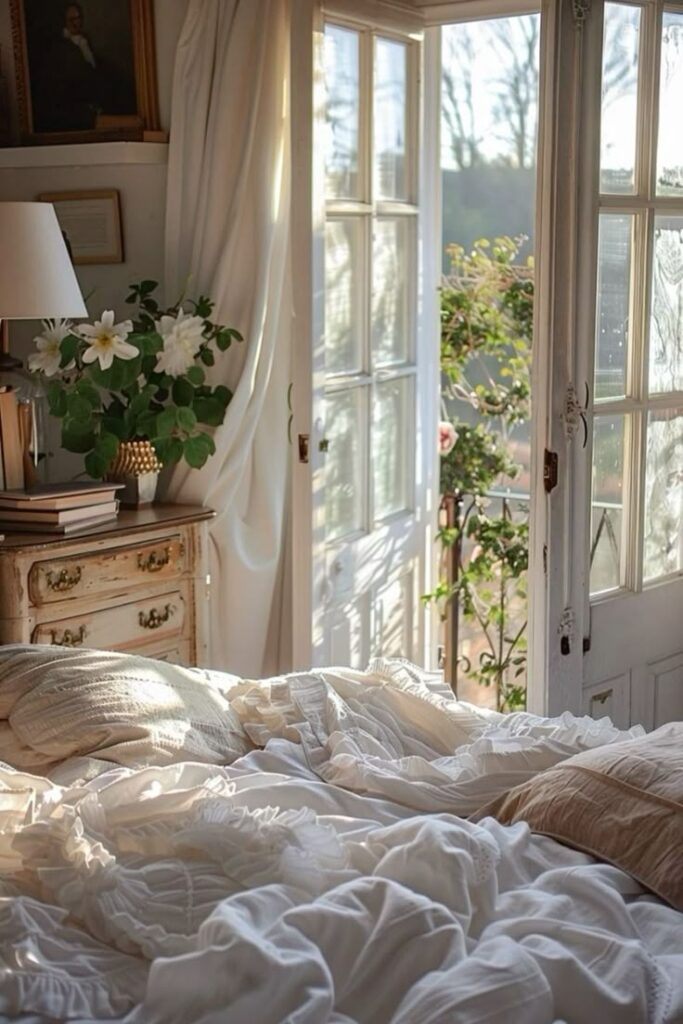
<point x="58" y="508"/>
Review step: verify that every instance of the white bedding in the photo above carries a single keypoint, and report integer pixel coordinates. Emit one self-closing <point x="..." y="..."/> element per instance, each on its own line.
<point x="325" y="878"/>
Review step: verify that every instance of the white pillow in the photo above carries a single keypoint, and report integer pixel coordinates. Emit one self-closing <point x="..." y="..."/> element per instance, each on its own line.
<point x="123" y="708"/>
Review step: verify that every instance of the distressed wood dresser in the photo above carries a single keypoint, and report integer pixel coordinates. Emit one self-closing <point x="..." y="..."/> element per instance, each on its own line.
<point x="138" y="584"/>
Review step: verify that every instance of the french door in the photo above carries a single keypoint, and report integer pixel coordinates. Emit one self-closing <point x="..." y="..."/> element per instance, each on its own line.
<point x="633" y="663"/>
<point x="614" y="432"/>
<point x="364" y="438"/>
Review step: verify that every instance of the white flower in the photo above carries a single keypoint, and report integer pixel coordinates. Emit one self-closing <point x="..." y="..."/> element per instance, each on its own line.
<point x="447" y="437"/>
<point x="182" y="337"/>
<point x="48" y="357"/>
<point x="106" y="340"/>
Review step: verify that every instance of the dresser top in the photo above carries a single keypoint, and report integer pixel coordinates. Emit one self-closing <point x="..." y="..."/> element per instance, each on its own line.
<point x="128" y="521"/>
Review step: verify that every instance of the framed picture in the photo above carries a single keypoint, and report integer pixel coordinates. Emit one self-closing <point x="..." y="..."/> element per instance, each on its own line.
<point x="90" y="223"/>
<point x="86" y="71"/>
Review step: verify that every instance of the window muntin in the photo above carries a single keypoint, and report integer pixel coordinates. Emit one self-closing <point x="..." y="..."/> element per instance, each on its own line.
<point x="637" y="508"/>
<point x="370" y="281"/>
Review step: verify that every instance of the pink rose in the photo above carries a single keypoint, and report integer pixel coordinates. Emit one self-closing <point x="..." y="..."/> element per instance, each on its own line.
<point x="447" y="437"/>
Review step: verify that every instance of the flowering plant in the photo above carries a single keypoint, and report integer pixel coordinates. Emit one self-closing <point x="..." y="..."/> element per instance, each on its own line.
<point x="140" y="379"/>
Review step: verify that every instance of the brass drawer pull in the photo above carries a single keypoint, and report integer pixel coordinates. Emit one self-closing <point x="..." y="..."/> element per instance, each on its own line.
<point x="156" y="618"/>
<point x="64" y="580"/>
<point x="154" y="561"/>
<point x="69" y="637"/>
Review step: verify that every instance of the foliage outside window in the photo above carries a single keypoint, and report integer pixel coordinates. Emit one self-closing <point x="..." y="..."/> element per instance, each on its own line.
<point x="486" y="332"/>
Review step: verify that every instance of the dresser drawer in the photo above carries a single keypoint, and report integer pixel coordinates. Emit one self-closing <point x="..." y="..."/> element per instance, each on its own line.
<point x="98" y="573"/>
<point x="123" y="626"/>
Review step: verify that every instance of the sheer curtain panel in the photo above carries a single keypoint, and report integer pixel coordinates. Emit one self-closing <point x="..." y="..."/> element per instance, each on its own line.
<point x="227" y="236"/>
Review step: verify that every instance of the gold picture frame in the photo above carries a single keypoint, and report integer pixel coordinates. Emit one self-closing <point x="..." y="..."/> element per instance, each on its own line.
<point x="91" y="224"/>
<point x="77" y="85"/>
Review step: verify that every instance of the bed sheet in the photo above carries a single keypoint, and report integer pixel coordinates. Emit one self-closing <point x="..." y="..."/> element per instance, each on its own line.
<point x="329" y="875"/>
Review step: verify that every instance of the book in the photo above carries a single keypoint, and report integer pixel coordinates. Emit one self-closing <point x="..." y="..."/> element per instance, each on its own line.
<point x="12" y="450"/>
<point x="56" y="496"/>
<point x="57" y="516"/>
<point x="61" y="528"/>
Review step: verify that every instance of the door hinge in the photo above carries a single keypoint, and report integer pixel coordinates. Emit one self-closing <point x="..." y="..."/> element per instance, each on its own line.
<point x="549" y="470"/>
<point x="303" y="447"/>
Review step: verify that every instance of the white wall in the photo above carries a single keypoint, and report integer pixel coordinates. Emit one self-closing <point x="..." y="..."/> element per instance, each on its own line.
<point x="142" y="185"/>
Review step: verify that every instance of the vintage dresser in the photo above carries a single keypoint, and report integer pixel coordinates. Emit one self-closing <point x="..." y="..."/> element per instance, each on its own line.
<point x="139" y="584"/>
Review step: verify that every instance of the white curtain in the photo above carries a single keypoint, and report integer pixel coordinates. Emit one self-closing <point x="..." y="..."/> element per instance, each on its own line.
<point x="227" y="236"/>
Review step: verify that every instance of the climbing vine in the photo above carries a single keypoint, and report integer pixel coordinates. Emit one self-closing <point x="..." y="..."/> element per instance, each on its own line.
<point x="486" y="332"/>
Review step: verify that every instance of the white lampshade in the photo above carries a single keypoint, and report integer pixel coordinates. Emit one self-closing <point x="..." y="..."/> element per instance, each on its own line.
<point x="37" y="279"/>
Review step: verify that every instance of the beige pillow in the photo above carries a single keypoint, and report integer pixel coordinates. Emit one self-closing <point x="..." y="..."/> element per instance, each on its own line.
<point x="622" y="803"/>
<point x="134" y="711"/>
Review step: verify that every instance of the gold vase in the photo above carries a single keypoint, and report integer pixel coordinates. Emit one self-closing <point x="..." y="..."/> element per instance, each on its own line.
<point x="137" y="467"/>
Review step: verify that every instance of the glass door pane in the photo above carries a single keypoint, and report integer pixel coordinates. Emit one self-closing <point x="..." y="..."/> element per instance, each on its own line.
<point x="666" y="323"/>
<point x="663" y="552"/>
<point x="392" y="290"/>
<point x="607" y="504"/>
<point x="389" y="120"/>
<point x="614" y="303"/>
<point x="670" y="146"/>
<point x="621" y="45"/>
<point x="392" y="447"/>
<point x="342" y="112"/>
<point x="344" y="285"/>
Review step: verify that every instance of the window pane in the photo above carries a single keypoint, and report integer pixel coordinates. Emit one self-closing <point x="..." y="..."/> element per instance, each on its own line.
<point x="619" y="98"/>
<point x="343" y="295"/>
<point x="607" y="503"/>
<point x="670" y="145"/>
<point x="666" y="321"/>
<point x="391" y="290"/>
<point x="344" y="464"/>
<point x="392" y="446"/>
<point x="489" y="114"/>
<point x="613" y="299"/>
<point x="342" y="111"/>
<point x="389" y="119"/>
<point x="663" y="551"/>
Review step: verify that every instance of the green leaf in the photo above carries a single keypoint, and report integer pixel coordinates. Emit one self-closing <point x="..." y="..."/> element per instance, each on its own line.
<point x="69" y="347"/>
<point x="77" y="407"/>
<point x="182" y="392"/>
<point x="95" y="465"/>
<point x="146" y="287"/>
<point x="168" y="449"/>
<point x="209" y="410"/>
<point x="115" y="425"/>
<point x="195" y="375"/>
<point x="56" y="399"/>
<point x="148" y="342"/>
<point x="146" y="425"/>
<point x="186" y="419"/>
<point x="107" y="446"/>
<point x="165" y="423"/>
<point x="196" y="451"/>
<point x="223" y="395"/>
<point x="119" y="376"/>
<point x="78" y="437"/>
<point x="224" y="339"/>
<point x="206" y="356"/>
<point x="88" y="392"/>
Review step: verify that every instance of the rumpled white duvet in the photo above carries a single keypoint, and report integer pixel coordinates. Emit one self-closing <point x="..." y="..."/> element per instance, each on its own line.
<point x="327" y="875"/>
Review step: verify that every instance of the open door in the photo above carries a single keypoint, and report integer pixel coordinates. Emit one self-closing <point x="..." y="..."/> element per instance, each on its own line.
<point x="364" y="397"/>
<point x="612" y="441"/>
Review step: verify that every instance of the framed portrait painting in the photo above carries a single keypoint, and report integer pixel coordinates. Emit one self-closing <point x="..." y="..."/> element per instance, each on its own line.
<point x="86" y="71"/>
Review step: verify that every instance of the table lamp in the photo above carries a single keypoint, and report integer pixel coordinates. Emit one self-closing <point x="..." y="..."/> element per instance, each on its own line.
<point x="37" y="282"/>
<point x="37" y="279"/>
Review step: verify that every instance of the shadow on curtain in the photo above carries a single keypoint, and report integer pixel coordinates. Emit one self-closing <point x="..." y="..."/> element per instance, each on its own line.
<point x="227" y="235"/>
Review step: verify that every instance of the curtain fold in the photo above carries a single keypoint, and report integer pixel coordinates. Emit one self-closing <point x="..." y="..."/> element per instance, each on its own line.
<point x="227" y="236"/>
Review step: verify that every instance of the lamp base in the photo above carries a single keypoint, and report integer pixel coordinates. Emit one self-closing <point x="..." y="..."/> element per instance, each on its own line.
<point x="8" y="362"/>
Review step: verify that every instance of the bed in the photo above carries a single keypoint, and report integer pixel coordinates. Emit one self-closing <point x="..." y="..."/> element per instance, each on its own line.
<point x="186" y="847"/>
